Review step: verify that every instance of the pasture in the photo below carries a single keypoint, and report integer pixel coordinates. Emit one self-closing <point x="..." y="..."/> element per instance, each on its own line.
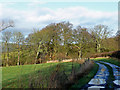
<point x="21" y="76"/>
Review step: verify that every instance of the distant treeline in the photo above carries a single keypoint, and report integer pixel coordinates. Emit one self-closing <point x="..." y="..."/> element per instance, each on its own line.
<point x="56" y="41"/>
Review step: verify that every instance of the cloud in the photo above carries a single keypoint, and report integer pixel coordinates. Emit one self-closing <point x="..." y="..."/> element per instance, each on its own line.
<point x="40" y="17"/>
<point x="35" y="3"/>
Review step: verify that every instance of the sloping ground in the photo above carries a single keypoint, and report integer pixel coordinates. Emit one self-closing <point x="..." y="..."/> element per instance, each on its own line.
<point x="86" y="78"/>
<point x="13" y="76"/>
<point x="28" y="75"/>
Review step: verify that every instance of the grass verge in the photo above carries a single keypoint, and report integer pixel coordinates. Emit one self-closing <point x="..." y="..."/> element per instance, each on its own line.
<point x="109" y="60"/>
<point x="85" y="79"/>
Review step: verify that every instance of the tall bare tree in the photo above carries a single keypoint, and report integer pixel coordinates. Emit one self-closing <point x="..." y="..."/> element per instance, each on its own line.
<point x="99" y="33"/>
<point x="66" y="32"/>
<point x="6" y="36"/>
<point x="81" y="38"/>
<point x="18" y="37"/>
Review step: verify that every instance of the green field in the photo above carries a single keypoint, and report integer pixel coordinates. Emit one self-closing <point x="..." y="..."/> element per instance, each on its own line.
<point x="20" y="76"/>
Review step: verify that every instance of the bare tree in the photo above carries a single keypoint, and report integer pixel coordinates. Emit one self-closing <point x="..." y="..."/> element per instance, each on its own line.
<point x="81" y="38"/>
<point x="100" y="32"/>
<point x="6" y="36"/>
<point x="4" y="25"/>
<point x="18" y="38"/>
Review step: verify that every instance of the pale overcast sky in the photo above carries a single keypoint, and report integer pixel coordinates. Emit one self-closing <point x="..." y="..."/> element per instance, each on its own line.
<point x="28" y="15"/>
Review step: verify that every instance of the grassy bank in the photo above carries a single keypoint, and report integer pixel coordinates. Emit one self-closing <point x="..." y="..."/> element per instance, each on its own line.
<point x="22" y="76"/>
<point x="85" y="79"/>
<point x="109" y="60"/>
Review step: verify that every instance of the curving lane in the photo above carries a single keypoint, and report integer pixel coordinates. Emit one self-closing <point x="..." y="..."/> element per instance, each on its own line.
<point x="116" y="73"/>
<point x="100" y="79"/>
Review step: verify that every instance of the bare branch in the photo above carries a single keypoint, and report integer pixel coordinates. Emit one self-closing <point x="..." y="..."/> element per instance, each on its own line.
<point x="4" y="25"/>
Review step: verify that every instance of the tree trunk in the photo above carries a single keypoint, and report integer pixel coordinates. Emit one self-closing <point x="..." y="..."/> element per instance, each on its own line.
<point x="55" y="51"/>
<point x="35" y="60"/>
<point x="98" y="47"/>
<point x="18" y="58"/>
<point x="79" y="54"/>
<point x="50" y="56"/>
<point x="18" y="63"/>
<point x="66" y="54"/>
<point x="7" y="61"/>
<point x="7" y="54"/>
<point x="36" y="56"/>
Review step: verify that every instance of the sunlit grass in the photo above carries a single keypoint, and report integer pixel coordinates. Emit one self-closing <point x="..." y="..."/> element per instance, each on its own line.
<point x="13" y="76"/>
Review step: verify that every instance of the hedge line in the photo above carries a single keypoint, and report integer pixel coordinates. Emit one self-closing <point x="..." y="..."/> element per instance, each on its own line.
<point x="115" y="54"/>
